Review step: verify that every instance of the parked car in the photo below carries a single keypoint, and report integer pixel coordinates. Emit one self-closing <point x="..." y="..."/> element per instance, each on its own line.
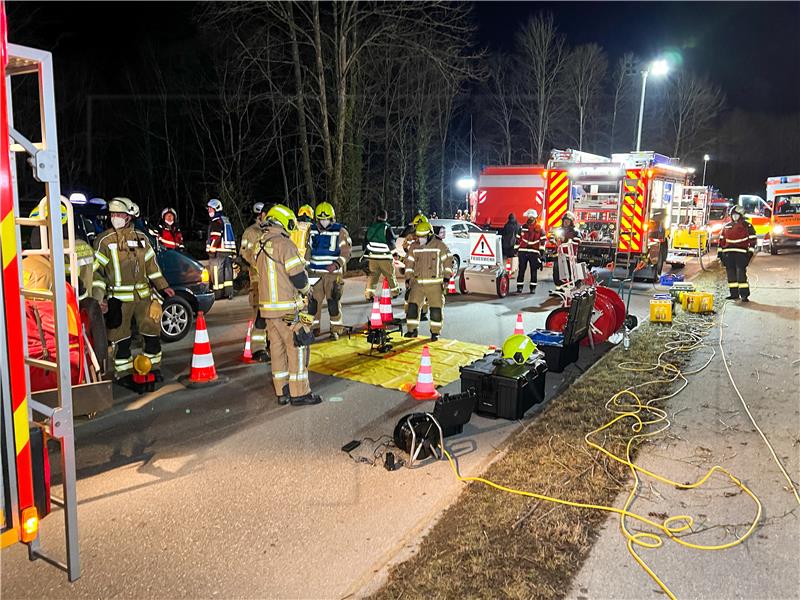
<point x="718" y="215"/>
<point x="456" y="237"/>
<point x="185" y="275"/>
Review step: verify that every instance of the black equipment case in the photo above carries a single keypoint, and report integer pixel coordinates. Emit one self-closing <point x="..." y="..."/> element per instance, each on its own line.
<point x="579" y="320"/>
<point x="505" y="391"/>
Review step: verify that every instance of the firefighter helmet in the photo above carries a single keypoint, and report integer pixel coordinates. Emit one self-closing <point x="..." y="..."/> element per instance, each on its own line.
<point x="134" y="209"/>
<point x="420" y="218"/>
<point x="142" y="364"/>
<point x="121" y="205"/>
<point x="518" y="348"/>
<point x="569" y="215"/>
<point x="530" y="214"/>
<point x="324" y="211"/>
<point x="258" y="207"/>
<point x="41" y="209"/>
<point x="282" y="216"/>
<point x="306" y="211"/>
<point x="77" y="198"/>
<point x="738" y="209"/>
<point x="214" y="205"/>
<point x="169" y="209"/>
<point x="423" y="229"/>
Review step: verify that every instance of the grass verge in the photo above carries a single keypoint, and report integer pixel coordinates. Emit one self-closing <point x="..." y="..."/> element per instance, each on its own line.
<point x="490" y="543"/>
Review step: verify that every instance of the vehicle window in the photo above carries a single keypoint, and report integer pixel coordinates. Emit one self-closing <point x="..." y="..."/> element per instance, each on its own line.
<point x="717" y="214"/>
<point x="788" y="204"/>
<point x="460" y="230"/>
<point x="473" y="228"/>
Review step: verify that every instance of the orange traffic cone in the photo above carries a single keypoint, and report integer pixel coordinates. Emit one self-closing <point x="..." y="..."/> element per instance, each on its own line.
<point x="375" y="320"/>
<point x="451" y="287"/>
<point x="386" y="303"/>
<point x="508" y="265"/>
<point x="424" y="389"/>
<point x="519" y="329"/>
<point x="247" y="355"/>
<point x="203" y="370"/>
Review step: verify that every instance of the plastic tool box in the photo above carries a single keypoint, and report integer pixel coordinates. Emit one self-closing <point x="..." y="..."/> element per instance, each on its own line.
<point x="562" y="348"/>
<point x="670" y="279"/>
<point x="505" y="391"/>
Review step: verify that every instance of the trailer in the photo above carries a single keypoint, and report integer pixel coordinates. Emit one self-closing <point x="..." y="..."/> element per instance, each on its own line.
<point x="622" y="204"/>
<point x="689" y="235"/>
<point x="507" y="190"/>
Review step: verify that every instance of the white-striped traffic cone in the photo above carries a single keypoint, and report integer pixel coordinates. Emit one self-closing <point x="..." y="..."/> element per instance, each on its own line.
<point x="203" y="369"/>
<point x="375" y="320"/>
<point x="451" y="286"/>
<point x="386" y="303"/>
<point x="424" y="389"/>
<point x="519" y="329"/>
<point x="247" y="355"/>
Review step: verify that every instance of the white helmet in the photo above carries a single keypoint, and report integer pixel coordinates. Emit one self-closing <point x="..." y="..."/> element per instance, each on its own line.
<point x="258" y="207"/>
<point x="123" y="205"/>
<point x="530" y="214"/>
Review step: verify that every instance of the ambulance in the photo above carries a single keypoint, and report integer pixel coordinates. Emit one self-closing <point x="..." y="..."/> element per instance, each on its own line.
<point x="783" y="199"/>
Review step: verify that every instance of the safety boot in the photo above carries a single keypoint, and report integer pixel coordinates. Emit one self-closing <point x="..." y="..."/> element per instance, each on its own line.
<point x="261" y="356"/>
<point x="532" y="289"/>
<point x="434" y="337"/>
<point x="519" y="288"/>
<point x="307" y="400"/>
<point x="283" y="399"/>
<point x="411" y="333"/>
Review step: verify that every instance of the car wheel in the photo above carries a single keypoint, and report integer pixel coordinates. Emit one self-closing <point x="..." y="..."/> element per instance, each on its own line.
<point x="462" y="283"/>
<point x="773" y="249"/>
<point x="176" y="319"/>
<point x="502" y="285"/>
<point x="456" y="264"/>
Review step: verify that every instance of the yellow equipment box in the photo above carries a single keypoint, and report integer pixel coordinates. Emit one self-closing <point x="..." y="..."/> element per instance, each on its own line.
<point x="660" y="311"/>
<point x="697" y="302"/>
<point x="687" y="239"/>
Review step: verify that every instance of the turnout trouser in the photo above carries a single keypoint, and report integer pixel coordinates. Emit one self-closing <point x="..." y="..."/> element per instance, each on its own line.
<point x="220" y="267"/>
<point x="419" y="293"/>
<point x="736" y="268"/>
<point x="258" y="335"/>
<point x="328" y="289"/>
<point x="527" y="258"/>
<point x="137" y="310"/>
<point x="289" y="363"/>
<point x="378" y="267"/>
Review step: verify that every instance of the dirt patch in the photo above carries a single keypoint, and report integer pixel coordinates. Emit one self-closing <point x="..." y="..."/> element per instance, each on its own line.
<point x="491" y="543"/>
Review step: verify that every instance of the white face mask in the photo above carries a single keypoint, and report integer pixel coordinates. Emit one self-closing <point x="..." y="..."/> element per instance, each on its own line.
<point x="736" y="216"/>
<point x="423" y="240"/>
<point x="324" y="223"/>
<point x="169" y="219"/>
<point x="118" y="222"/>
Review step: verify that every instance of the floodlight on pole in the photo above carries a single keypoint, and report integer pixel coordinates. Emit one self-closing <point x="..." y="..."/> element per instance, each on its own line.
<point x="706" y="158"/>
<point x="465" y="183"/>
<point x="659" y="68"/>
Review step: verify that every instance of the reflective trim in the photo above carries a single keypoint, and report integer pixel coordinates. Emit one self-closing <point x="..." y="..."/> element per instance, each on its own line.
<point x="99" y="284"/>
<point x="337" y="321"/>
<point x="410" y="322"/>
<point x="86" y="260"/>
<point x="122" y="297"/>
<point x="258" y="337"/>
<point x="149" y="254"/>
<point x="299" y="377"/>
<point x="744" y="285"/>
<point x="435" y="323"/>
<point x="101" y="258"/>
<point x="115" y="260"/>
<point x="293" y="262"/>
<point x="280" y="375"/>
<point x="280" y="305"/>
<point x="409" y="270"/>
<point x="426" y="281"/>
<point x="155" y="275"/>
<point x="154" y="358"/>
<point x="733" y="285"/>
<point x="726" y="250"/>
<point x="736" y="241"/>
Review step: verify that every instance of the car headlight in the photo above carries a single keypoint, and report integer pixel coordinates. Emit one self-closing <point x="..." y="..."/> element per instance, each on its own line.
<point x="204" y="276"/>
<point x="778" y="229"/>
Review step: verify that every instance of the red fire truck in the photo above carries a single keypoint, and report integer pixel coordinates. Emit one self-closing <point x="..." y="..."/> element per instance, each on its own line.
<point x="622" y="205"/>
<point x="506" y="190"/>
<point x="26" y="422"/>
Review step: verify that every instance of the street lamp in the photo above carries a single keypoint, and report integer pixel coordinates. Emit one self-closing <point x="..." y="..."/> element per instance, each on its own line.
<point x="706" y="158"/>
<point x="658" y="68"/>
<point x="466" y="184"/>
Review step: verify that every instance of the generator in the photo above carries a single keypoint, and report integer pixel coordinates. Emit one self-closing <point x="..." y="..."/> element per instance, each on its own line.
<point x="505" y="390"/>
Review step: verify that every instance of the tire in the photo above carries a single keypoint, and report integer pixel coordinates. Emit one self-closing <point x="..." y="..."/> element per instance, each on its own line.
<point x="462" y="283"/>
<point x="773" y="249"/>
<point x="502" y="285"/>
<point x="456" y="264"/>
<point x="176" y="319"/>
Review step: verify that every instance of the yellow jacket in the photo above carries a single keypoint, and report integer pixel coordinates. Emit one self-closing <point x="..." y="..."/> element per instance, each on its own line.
<point x="282" y="277"/>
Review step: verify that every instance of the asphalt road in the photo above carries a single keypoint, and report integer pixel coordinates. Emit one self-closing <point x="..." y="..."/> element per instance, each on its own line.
<point x="221" y="492"/>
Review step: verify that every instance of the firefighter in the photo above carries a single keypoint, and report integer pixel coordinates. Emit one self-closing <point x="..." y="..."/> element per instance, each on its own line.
<point x="531" y="245"/>
<point x="568" y="237"/>
<point x="169" y="234"/>
<point x="429" y="267"/>
<point x="125" y="270"/>
<point x="305" y="214"/>
<point x="220" y="246"/>
<point x="281" y="286"/>
<point x="510" y="237"/>
<point x="737" y="242"/>
<point x="329" y="249"/>
<point x="250" y="238"/>
<point x="380" y="251"/>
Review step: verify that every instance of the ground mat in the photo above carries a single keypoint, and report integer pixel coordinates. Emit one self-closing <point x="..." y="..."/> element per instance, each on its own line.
<point x="350" y="358"/>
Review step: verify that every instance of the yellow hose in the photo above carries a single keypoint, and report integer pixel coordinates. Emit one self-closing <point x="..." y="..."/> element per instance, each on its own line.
<point x="690" y="331"/>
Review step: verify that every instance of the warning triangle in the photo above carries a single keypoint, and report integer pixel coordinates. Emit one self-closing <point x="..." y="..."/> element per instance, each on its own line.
<point x="482" y="248"/>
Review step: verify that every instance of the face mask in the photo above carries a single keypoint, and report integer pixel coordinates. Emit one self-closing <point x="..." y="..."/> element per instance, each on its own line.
<point x="118" y="222"/>
<point x="324" y="223"/>
<point x="736" y="216"/>
<point x="423" y="240"/>
<point x="169" y="219"/>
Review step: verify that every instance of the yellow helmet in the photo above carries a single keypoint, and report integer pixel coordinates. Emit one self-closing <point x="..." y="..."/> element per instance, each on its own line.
<point x="423" y="229"/>
<point x="41" y="209"/>
<point x="283" y="216"/>
<point x="142" y="364"/>
<point x="324" y="211"/>
<point x="306" y="211"/>
<point x="518" y="348"/>
<point x="420" y="218"/>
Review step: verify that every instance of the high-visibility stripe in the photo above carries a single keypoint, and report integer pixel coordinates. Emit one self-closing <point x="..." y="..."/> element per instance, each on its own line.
<point x="293" y="262"/>
<point x="21" y="432"/>
<point x="154" y="358"/>
<point x="149" y="254"/>
<point x="744" y="285"/>
<point x="733" y="285"/>
<point x="155" y="275"/>
<point x="115" y="260"/>
<point x="201" y="336"/>
<point x="202" y="361"/>
<point x="280" y="374"/>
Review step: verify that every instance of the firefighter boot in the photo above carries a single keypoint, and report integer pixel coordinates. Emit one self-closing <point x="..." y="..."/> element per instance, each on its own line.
<point x="519" y="288"/>
<point x="283" y="399"/>
<point x="531" y="288"/>
<point x="307" y="400"/>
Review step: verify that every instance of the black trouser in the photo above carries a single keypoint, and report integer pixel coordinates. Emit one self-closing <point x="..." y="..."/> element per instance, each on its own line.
<point x="736" y="266"/>
<point x="525" y="259"/>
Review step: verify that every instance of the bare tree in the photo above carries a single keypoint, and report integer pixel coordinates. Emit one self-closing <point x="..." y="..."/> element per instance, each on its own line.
<point x="500" y="89"/>
<point x="692" y="105"/>
<point x="585" y="71"/>
<point x="622" y="81"/>
<point x="542" y="55"/>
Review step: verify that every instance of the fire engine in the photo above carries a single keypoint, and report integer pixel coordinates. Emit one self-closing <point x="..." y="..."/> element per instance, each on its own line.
<point x="783" y="198"/>
<point x="622" y="205"/>
<point x="506" y="190"/>
<point x="27" y="423"/>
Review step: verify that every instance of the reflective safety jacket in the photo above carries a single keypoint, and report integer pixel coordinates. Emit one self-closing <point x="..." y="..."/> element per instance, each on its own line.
<point x="429" y="263"/>
<point x="170" y="236"/>
<point x="380" y="240"/>
<point x="738" y="237"/>
<point x="282" y="277"/>
<point x="569" y="235"/>
<point x="85" y="265"/>
<point x="220" y="236"/>
<point x="531" y="238"/>
<point x="125" y="266"/>
<point x="248" y="247"/>
<point x="329" y="246"/>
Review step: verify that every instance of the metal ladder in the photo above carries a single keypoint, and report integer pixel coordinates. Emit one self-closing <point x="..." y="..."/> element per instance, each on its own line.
<point x="43" y="158"/>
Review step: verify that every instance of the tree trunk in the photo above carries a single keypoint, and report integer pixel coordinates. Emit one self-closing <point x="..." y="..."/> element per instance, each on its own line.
<point x="323" y="100"/>
<point x="308" y="180"/>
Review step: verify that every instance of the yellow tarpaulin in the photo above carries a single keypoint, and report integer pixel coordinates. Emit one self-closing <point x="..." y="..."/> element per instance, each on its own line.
<point x="349" y="358"/>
